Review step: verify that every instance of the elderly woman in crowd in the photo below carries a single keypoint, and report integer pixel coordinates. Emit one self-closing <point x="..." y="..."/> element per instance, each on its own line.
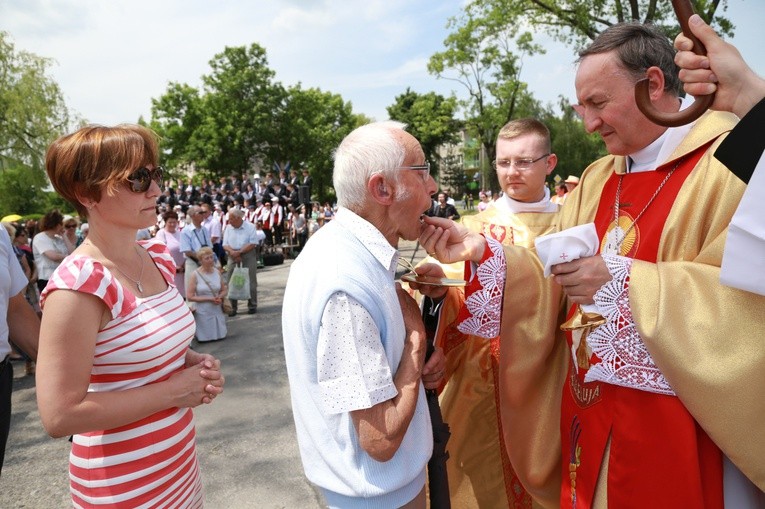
<point x="49" y="247"/>
<point x="70" y="236"/>
<point x="207" y="290"/>
<point x="116" y="370"/>
<point x="170" y="236"/>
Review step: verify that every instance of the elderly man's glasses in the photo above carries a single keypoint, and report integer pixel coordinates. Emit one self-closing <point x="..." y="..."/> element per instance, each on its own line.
<point x="520" y="164"/>
<point x="424" y="169"/>
<point x="140" y="180"/>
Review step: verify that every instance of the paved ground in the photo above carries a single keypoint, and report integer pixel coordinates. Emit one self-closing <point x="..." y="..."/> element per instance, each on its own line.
<point x="246" y="440"/>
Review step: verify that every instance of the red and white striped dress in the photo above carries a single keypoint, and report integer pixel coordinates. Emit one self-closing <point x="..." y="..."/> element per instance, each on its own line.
<point x="151" y="462"/>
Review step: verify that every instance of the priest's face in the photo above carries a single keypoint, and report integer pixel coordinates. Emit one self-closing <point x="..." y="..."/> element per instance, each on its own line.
<point x="606" y="95"/>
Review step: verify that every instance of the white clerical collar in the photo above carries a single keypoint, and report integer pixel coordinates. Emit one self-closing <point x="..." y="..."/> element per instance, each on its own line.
<point x="507" y="204"/>
<point x="657" y="153"/>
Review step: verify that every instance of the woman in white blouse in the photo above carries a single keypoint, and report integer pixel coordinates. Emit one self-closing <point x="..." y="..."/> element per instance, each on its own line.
<point x="49" y="247"/>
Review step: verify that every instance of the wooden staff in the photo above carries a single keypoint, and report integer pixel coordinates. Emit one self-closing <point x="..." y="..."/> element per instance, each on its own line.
<point x="683" y="11"/>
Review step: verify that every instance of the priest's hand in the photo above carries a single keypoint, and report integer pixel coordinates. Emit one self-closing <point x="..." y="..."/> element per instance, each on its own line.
<point x="450" y="242"/>
<point x="581" y="278"/>
<point x="433" y="291"/>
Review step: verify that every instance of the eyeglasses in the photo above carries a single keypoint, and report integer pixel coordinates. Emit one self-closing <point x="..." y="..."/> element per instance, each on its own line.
<point x="140" y="180"/>
<point x="520" y="164"/>
<point x="70" y="226"/>
<point x="423" y="168"/>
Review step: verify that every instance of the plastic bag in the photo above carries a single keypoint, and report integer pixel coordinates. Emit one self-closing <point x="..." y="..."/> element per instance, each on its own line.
<point x="239" y="284"/>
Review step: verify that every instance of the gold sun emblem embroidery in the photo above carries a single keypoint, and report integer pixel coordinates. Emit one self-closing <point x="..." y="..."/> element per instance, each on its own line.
<point x="615" y="236"/>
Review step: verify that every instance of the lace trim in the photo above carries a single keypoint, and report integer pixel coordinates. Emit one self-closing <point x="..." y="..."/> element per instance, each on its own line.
<point x="483" y="302"/>
<point x="624" y="358"/>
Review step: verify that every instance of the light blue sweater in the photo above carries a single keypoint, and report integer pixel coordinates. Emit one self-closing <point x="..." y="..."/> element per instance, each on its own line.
<point x="335" y="260"/>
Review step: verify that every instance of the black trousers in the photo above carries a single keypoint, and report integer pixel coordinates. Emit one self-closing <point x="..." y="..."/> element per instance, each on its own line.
<point x="6" y="389"/>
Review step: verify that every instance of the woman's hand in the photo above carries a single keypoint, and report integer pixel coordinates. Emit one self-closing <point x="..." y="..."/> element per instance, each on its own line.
<point x="192" y="386"/>
<point x="209" y="370"/>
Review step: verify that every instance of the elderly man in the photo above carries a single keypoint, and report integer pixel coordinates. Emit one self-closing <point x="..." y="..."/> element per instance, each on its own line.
<point x="660" y="406"/>
<point x="212" y="222"/>
<point x="354" y="360"/>
<point x="193" y="237"/>
<point x="241" y="243"/>
<point x="480" y="474"/>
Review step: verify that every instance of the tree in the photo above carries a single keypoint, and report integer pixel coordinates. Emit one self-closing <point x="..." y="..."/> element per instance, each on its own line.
<point x="22" y="190"/>
<point x="244" y="119"/>
<point x="454" y="179"/>
<point x="574" y="22"/>
<point x="485" y="55"/>
<point x="309" y="126"/>
<point x="229" y="126"/>
<point x="177" y="116"/>
<point x="32" y="115"/>
<point x="575" y="148"/>
<point x="240" y="101"/>
<point x="431" y="120"/>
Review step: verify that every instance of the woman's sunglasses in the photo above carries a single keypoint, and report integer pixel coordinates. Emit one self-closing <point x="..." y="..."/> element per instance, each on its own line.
<point x="140" y="180"/>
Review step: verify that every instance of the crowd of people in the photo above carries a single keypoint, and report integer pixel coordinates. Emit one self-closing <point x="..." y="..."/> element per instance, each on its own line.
<point x="598" y="353"/>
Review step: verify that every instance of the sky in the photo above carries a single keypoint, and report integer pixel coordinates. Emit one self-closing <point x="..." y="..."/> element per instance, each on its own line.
<point x="111" y="57"/>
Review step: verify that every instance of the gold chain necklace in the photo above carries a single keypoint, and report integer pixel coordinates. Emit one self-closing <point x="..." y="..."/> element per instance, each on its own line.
<point x="617" y="234"/>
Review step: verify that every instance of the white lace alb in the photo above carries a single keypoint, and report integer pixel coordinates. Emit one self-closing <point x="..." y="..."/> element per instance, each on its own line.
<point x="485" y="305"/>
<point x="624" y="358"/>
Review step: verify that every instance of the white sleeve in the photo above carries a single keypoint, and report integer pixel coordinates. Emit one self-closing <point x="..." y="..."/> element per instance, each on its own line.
<point x="351" y="365"/>
<point x="743" y="263"/>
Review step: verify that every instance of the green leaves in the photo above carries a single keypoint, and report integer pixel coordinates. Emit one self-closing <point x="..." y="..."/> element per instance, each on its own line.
<point x="244" y="121"/>
<point x="431" y="120"/>
<point x="32" y="115"/>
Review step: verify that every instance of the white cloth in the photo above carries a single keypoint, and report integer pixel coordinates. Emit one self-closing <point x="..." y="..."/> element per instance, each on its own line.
<point x="743" y="263"/>
<point x="566" y="246"/>
<point x="12" y="281"/>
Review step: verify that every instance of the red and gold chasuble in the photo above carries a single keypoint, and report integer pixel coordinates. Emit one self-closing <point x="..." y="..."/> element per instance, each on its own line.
<point x="599" y="419"/>
<point x="480" y="472"/>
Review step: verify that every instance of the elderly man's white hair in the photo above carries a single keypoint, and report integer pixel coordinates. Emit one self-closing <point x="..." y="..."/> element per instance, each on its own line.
<point x="369" y="149"/>
<point x="236" y="212"/>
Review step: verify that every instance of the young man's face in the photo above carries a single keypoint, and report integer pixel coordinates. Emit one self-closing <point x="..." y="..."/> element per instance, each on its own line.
<point x="525" y="184"/>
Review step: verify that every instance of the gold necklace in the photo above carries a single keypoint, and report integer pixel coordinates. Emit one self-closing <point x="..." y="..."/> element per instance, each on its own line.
<point x="617" y="234"/>
<point x="136" y="282"/>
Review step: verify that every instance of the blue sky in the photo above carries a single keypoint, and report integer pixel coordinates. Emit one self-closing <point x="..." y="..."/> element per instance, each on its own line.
<point x="112" y="57"/>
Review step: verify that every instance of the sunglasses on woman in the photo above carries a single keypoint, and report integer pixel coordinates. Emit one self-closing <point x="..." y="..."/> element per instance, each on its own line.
<point x="140" y="180"/>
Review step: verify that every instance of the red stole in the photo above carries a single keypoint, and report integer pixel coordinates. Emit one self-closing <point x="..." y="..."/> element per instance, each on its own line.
<point x="659" y="456"/>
